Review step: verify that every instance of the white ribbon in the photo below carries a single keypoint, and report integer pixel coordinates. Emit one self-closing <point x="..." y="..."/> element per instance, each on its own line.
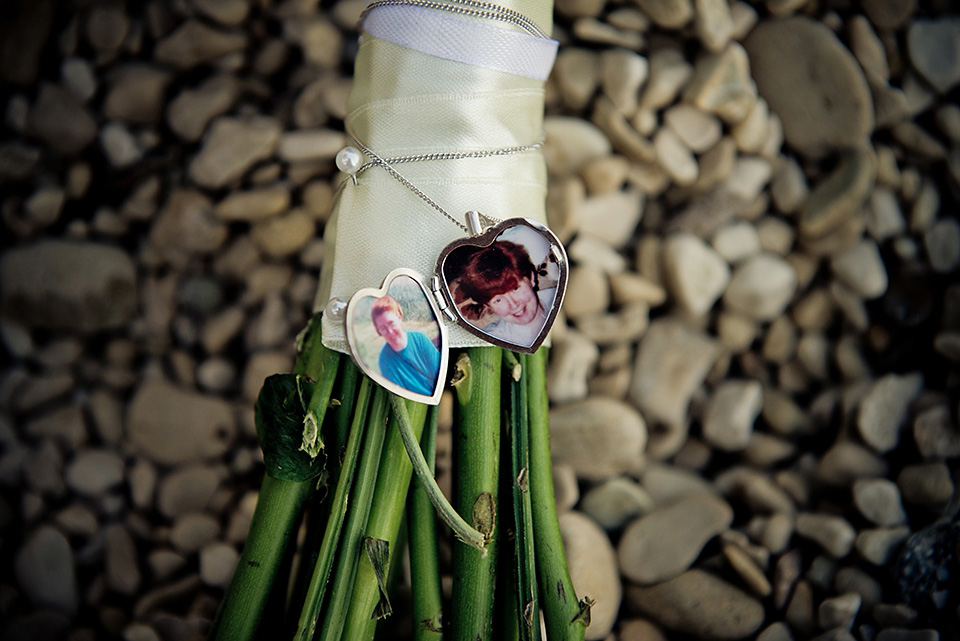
<point x="463" y="40"/>
<point x="407" y="101"/>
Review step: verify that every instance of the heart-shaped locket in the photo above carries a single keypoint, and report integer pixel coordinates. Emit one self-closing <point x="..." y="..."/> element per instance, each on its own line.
<point x="396" y="337"/>
<point x="505" y="284"/>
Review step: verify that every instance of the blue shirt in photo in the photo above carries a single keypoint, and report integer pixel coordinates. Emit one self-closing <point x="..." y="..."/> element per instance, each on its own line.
<point x="415" y="367"/>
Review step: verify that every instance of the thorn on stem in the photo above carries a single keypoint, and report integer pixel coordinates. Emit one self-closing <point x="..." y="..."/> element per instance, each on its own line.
<point x="583" y="614"/>
<point x="312" y="443"/>
<point x="461" y="371"/>
<point x="528" y="613"/>
<point x="485" y="515"/>
<point x="523" y="480"/>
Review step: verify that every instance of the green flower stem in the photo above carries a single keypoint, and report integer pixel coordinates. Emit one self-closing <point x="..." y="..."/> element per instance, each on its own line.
<point x="511" y="364"/>
<point x="346" y="407"/>
<point x="273" y="528"/>
<point x="311" y="354"/>
<point x="317" y="407"/>
<point x="389" y="502"/>
<point x="476" y="459"/>
<point x="319" y="364"/>
<point x="338" y="510"/>
<point x="526" y="572"/>
<point x="264" y="560"/>
<point x="460" y="528"/>
<point x="506" y="614"/>
<point x="348" y="559"/>
<point x="565" y="617"/>
<point x="343" y="416"/>
<point x="424" y="564"/>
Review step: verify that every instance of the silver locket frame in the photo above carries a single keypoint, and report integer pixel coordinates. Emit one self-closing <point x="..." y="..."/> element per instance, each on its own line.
<point x="354" y="336"/>
<point x="442" y="281"/>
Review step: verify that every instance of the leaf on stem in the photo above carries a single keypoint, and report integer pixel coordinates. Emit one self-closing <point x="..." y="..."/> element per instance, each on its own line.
<point x="279" y="416"/>
<point x="378" y="551"/>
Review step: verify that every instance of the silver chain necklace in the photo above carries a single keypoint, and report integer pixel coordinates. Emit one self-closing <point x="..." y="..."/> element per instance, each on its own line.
<point x="347" y="164"/>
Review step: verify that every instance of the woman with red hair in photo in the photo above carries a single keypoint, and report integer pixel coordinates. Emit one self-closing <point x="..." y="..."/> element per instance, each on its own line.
<point x="501" y="279"/>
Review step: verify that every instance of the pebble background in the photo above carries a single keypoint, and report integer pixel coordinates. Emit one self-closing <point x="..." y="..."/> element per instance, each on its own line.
<point x="754" y="378"/>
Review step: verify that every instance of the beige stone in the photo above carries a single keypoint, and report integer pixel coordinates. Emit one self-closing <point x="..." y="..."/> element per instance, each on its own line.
<point x="789" y="186"/>
<point x="593" y="570"/>
<point x="678" y="605"/>
<point x="622" y="73"/>
<point x="672" y="362"/>
<point x="839" y="197"/>
<point x="663" y="543"/>
<point x="698" y="130"/>
<point x="598" y="437"/>
<point x="194" y="43"/>
<point x="231" y="147"/>
<point x="670" y="14"/>
<point x="812" y="82"/>
<point x="695" y="274"/>
<point x="676" y="160"/>
<point x="721" y="84"/>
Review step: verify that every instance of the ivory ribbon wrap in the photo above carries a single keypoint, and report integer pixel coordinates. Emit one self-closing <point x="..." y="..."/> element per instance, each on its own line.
<point x="464" y="95"/>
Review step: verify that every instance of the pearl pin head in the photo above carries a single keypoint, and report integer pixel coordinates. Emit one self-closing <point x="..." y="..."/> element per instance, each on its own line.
<point x="349" y="160"/>
<point x="335" y="309"/>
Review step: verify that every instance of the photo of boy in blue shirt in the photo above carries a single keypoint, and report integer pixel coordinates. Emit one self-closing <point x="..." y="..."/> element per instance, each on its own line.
<point x="409" y="359"/>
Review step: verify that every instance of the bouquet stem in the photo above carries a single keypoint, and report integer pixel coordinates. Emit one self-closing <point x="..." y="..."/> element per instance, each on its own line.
<point x="525" y="558"/>
<point x="566" y="618"/>
<point x="424" y="564"/>
<point x="273" y="529"/>
<point x="379" y="437"/>
<point x="390" y="498"/>
<point x="338" y="511"/>
<point x="342" y="586"/>
<point x="477" y="455"/>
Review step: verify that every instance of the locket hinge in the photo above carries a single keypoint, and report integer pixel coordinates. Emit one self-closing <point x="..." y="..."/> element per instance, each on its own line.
<point x="441" y="300"/>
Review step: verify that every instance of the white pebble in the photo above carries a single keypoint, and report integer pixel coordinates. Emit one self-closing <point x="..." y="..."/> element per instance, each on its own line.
<point x="730" y="414"/>
<point x="698" y="130"/>
<point x="761" y="287"/>
<point x="942" y="242"/>
<point x="879" y="501"/>
<point x="616" y="501"/>
<point x="622" y="73"/>
<point x="94" y="472"/>
<point x="861" y="269"/>
<point x="675" y="158"/>
<point x="696" y="275"/>
<point x="737" y="241"/>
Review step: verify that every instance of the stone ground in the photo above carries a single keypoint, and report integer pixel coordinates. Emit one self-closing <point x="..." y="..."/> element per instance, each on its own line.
<point x="754" y="379"/>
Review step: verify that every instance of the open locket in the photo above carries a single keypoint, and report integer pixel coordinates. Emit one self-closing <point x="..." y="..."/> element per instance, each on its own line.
<point x="504" y="283"/>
